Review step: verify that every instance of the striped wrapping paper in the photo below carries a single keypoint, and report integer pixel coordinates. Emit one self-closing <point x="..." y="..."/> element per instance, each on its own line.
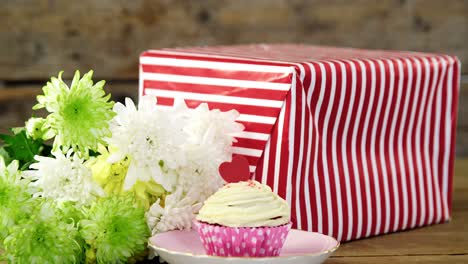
<point x="359" y="142"/>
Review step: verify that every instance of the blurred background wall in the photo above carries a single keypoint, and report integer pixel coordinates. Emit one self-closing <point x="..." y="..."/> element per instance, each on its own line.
<point x="39" y="38"/>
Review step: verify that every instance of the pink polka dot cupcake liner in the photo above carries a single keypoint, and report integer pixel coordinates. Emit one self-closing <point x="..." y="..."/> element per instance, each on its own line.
<point x="242" y="241"/>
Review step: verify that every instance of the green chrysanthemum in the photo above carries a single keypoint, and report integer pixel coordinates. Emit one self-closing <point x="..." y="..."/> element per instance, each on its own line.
<point x="44" y="238"/>
<point x="70" y="212"/>
<point x="79" y="115"/>
<point x="14" y="199"/>
<point x="114" y="229"/>
<point x="36" y="130"/>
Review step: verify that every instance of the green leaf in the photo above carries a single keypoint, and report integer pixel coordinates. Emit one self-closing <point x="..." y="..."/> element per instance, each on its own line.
<point x="4" y="154"/>
<point x="21" y="147"/>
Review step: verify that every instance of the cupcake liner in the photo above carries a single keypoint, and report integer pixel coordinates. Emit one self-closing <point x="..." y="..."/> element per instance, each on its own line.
<point x="242" y="241"/>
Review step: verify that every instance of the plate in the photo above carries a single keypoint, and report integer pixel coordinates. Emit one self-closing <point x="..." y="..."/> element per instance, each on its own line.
<point x="180" y="247"/>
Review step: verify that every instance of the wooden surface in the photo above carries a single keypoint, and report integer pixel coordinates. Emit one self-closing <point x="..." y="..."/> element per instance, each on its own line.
<point x="462" y="126"/>
<point x="443" y="243"/>
<point x="38" y="38"/>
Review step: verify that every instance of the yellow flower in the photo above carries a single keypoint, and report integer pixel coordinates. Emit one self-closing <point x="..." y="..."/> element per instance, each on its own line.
<point x="111" y="177"/>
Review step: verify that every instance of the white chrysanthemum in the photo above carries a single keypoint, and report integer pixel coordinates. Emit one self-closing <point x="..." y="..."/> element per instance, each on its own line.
<point x="178" y="213"/>
<point x="10" y="173"/>
<point x="177" y="147"/>
<point x="63" y="178"/>
<point x="210" y="132"/>
<point x="210" y="135"/>
<point x="151" y="137"/>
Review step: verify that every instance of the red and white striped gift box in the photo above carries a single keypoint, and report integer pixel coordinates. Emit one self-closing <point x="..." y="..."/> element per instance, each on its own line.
<point x="359" y="142"/>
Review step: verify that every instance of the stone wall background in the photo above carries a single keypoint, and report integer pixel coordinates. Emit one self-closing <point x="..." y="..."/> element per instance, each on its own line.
<point x="39" y="38"/>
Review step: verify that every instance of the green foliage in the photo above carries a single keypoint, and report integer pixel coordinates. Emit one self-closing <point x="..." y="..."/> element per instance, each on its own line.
<point x="44" y="237"/>
<point x="15" y="201"/>
<point x="34" y="229"/>
<point x="115" y="230"/>
<point x="19" y="146"/>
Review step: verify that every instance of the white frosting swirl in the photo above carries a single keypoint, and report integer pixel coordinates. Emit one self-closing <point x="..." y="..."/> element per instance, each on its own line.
<point x="245" y="204"/>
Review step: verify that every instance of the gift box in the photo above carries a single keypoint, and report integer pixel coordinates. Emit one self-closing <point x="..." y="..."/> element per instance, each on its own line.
<point x="359" y="142"/>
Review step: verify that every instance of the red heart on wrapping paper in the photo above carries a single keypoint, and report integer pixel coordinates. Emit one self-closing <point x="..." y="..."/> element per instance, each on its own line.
<point x="235" y="171"/>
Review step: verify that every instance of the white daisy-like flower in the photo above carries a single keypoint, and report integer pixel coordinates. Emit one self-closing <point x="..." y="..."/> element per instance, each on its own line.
<point x="152" y="138"/>
<point x="177" y="147"/>
<point x="178" y="213"/>
<point x="10" y="173"/>
<point x="63" y="178"/>
<point x="210" y="134"/>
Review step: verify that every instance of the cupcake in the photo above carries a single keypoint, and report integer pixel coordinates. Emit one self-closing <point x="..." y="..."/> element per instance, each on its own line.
<point x="244" y="219"/>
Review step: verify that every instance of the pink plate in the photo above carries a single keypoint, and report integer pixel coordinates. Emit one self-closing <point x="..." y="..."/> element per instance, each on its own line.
<point x="300" y="247"/>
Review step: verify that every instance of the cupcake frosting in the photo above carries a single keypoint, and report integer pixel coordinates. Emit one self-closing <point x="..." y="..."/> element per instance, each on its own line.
<point x="245" y="204"/>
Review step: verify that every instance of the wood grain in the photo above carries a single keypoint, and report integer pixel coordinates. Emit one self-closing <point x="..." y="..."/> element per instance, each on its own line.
<point x="39" y="38"/>
<point x="462" y="122"/>
<point x="426" y="259"/>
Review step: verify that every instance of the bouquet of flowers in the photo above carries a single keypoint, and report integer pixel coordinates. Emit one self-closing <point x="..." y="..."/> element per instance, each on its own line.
<point x="94" y="179"/>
